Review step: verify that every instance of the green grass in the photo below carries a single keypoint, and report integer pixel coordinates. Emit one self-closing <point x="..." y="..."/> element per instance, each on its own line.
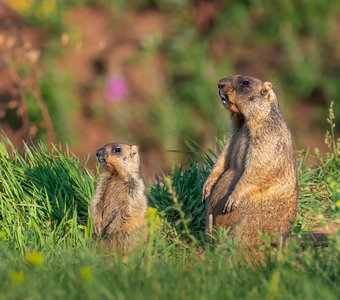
<point x="44" y="197"/>
<point x="47" y="252"/>
<point x="175" y="273"/>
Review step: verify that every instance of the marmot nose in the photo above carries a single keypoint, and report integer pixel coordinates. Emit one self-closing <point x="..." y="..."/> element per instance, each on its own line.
<point x="221" y="84"/>
<point x="99" y="152"/>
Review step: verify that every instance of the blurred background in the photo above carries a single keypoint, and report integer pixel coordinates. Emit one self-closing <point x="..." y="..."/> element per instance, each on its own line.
<point x="88" y="72"/>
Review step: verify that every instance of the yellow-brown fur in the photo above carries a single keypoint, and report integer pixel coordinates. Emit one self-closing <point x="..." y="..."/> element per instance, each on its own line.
<point x="119" y="204"/>
<point x="253" y="187"/>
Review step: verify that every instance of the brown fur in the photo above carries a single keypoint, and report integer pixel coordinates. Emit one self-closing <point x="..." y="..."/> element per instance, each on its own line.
<point x="119" y="204"/>
<point x="253" y="187"/>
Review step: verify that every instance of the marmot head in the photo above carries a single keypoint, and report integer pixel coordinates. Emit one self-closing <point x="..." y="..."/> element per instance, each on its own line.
<point x="246" y="95"/>
<point x="119" y="158"/>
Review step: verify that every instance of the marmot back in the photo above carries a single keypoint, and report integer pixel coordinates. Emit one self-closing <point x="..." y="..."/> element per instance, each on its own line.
<point x="253" y="186"/>
<point x="119" y="204"/>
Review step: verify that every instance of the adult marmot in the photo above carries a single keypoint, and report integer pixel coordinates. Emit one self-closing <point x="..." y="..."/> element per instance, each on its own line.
<point x="253" y="187"/>
<point x="119" y="204"/>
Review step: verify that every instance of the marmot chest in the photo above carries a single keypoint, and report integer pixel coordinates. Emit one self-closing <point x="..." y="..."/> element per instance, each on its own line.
<point x="115" y="196"/>
<point x="239" y="148"/>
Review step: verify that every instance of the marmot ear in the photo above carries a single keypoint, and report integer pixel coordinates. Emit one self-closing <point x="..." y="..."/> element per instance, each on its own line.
<point x="266" y="87"/>
<point x="134" y="150"/>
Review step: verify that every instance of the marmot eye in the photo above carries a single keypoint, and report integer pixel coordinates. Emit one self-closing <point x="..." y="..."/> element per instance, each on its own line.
<point x="245" y="83"/>
<point x="117" y="149"/>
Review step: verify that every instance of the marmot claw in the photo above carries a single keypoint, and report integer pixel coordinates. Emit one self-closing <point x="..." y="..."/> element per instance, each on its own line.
<point x="208" y="187"/>
<point x="230" y="205"/>
<point x="206" y="192"/>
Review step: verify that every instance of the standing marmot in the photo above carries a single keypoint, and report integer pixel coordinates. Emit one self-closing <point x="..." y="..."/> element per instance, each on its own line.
<point x="253" y="186"/>
<point x="119" y="204"/>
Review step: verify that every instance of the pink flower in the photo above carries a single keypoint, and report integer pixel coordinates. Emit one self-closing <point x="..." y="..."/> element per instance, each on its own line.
<point x="116" y="89"/>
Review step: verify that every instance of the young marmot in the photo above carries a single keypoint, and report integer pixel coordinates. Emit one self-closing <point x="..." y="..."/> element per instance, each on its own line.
<point x="119" y="204"/>
<point x="253" y="187"/>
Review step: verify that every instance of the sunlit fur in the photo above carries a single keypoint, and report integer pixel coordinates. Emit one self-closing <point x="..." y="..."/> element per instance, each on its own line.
<point x="119" y="204"/>
<point x="253" y="187"/>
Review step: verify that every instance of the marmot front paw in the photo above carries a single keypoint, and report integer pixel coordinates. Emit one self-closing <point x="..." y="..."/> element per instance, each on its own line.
<point x="230" y="205"/>
<point x="208" y="185"/>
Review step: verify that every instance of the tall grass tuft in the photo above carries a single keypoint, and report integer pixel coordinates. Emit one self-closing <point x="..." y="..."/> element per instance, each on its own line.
<point x="43" y="196"/>
<point x="178" y="196"/>
<point x="319" y="201"/>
